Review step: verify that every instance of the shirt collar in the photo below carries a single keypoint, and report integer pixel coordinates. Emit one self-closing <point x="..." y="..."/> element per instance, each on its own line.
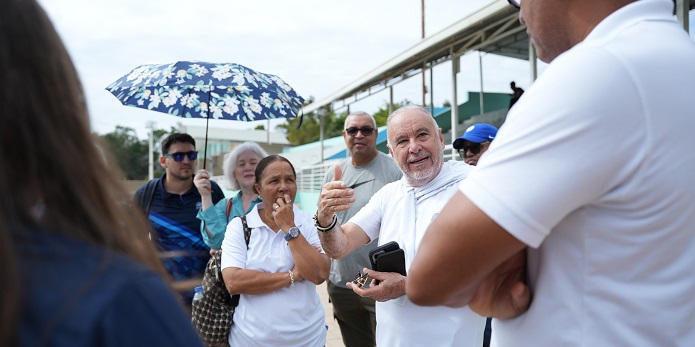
<point x="166" y="195"/>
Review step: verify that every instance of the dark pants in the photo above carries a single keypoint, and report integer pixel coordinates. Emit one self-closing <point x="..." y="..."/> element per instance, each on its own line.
<point x="488" y="332"/>
<point x="356" y="316"/>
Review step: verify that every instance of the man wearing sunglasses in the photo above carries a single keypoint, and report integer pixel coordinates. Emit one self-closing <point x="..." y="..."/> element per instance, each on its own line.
<point x="474" y="142"/>
<point x="171" y="203"/>
<point x="574" y="230"/>
<point x="365" y="171"/>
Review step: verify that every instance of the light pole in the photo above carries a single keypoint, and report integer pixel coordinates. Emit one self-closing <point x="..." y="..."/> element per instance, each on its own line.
<point x="150" y="126"/>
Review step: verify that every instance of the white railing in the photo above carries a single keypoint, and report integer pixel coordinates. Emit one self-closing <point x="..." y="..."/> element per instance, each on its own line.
<point x="310" y="178"/>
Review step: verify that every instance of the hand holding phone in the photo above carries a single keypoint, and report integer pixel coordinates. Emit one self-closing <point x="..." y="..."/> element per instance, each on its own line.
<point x="388" y="257"/>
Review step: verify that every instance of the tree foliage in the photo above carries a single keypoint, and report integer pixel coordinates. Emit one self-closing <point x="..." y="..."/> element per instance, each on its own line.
<point x="131" y="153"/>
<point x="382" y="114"/>
<point x="333" y="123"/>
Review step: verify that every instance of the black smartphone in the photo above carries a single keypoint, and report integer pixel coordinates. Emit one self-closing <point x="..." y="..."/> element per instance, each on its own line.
<point x="383" y="249"/>
<point x="388" y="257"/>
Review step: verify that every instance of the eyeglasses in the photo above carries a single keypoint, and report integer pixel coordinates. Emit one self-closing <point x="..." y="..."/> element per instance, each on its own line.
<point x="178" y="156"/>
<point x="366" y="131"/>
<point x="473" y="147"/>
<point x="515" y="3"/>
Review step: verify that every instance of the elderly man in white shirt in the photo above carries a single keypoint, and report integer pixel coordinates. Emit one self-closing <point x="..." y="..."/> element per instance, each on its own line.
<point x="401" y="211"/>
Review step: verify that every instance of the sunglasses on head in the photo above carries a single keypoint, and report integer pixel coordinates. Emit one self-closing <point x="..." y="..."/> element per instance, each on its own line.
<point x="178" y="156"/>
<point x="473" y="147"/>
<point x="366" y="131"/>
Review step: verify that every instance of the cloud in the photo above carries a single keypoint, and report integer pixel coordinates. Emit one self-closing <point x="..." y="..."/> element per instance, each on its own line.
<point x="317" y="46"/>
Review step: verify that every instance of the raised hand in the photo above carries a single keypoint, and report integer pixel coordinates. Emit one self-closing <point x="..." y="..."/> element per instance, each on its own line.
<point x="202" y="182"/>
<point x="335" y="197"/>
<point x="283" y="213"/>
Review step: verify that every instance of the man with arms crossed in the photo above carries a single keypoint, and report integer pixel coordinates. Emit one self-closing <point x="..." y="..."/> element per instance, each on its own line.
<point x="593" y="173"/>
<point x="365" y="171"/>
<point x="401" y="211"/>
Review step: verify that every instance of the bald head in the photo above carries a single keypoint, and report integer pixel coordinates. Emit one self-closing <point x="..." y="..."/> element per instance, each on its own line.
<point x="416" y="143"/>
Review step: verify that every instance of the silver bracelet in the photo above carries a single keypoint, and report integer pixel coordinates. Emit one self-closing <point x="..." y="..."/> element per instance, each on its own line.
<point x="291" y="279"/>
<point x="322" y="229"/>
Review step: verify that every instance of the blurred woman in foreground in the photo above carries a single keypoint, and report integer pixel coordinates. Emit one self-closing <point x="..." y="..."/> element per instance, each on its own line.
<point x="75" y="262"/>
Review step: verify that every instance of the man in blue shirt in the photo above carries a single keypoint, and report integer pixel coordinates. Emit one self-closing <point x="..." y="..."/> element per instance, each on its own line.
<point x="171" y="203"/>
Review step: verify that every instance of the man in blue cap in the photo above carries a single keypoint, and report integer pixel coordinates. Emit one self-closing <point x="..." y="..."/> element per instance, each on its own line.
<point x="474" y="142"/>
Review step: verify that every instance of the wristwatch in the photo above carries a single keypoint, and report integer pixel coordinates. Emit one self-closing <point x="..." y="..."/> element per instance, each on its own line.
<point x="292" y="233"/>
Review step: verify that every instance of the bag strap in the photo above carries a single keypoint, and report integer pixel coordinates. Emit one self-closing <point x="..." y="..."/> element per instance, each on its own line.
<point x="229" y="208"/>
<point x="247" y="231"/>
<point x="147" y="195"/>
<point x="247" y="238"/>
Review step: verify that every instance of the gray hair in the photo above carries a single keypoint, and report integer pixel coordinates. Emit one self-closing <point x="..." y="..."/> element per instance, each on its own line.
<point x="407" y="108"/>
<point x="360" y="114"/>
<point x="231" y="158"/>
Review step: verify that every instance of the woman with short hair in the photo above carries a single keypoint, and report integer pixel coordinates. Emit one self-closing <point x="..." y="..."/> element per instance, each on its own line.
<point x="239" y="170"/>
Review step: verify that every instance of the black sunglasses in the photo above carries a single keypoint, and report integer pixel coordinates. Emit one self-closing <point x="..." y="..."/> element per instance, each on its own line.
<point x="178" y="156"/>
<point x="515" y="3"/>
<point x="366" y="131"/>
<point x="473" y="147"/>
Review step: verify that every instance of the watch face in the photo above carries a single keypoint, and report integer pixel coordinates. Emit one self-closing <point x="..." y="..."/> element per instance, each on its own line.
<point x="292" y="233"/>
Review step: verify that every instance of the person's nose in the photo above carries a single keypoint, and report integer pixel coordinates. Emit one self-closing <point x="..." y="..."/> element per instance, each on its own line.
<point x="283" y="186"/>
<point x="414" y="147"/>
<point x="521" y="17"/>
<point x="469" y="153"/>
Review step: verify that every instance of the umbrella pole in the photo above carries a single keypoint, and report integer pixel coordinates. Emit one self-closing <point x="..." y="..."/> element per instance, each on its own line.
<point x="205" y="149"/>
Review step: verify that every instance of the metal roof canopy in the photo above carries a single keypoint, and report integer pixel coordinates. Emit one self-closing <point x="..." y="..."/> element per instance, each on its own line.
<point x="495" y="28"/>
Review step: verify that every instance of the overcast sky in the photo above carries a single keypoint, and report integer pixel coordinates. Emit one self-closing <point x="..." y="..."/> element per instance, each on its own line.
<point x="317" y="46"/>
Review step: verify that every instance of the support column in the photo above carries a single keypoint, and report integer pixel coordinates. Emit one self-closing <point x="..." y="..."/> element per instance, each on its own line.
<point x="432" y="89"/>
<point x="482" y="96"/>
<point x="322" y="114"/>
<point x="533" y="60"/>
<point x="682" y="13"/>
<point x="390" y="100"/>
<point x="150" y="170"/>
<point x="455" y="68"/>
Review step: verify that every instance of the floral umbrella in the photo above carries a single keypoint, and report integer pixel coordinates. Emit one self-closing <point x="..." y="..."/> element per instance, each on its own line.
<point x="193" y="89"/>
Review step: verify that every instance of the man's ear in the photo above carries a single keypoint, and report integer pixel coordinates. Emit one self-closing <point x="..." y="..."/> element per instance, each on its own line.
<point x="163" y="162"/>
<point x="388" y="145"/>
<point x="441" y="138"/>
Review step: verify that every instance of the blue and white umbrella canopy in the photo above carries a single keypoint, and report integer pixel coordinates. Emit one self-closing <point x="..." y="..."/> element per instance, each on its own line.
<point x="194" y="89"/>
<point x="207" y="90"/>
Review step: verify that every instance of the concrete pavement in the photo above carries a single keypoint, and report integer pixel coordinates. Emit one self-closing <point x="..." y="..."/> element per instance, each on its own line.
<point x="333" y="338"/>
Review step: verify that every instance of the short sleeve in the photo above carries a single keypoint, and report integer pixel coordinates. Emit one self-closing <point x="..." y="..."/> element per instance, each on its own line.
<point x="234" y="245"/>
<point x="557" y="151"/>
<point x="215" y="218"/>
<point x="369" y="217"/>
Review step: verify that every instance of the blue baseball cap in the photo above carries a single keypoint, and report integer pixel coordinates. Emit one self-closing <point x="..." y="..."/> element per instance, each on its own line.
<point x="477" y="133"/>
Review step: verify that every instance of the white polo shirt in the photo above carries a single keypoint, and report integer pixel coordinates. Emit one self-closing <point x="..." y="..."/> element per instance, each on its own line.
<point x="594" y="169"/>
<point x="287" y="316"/>
<point x="399" y="321"/>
